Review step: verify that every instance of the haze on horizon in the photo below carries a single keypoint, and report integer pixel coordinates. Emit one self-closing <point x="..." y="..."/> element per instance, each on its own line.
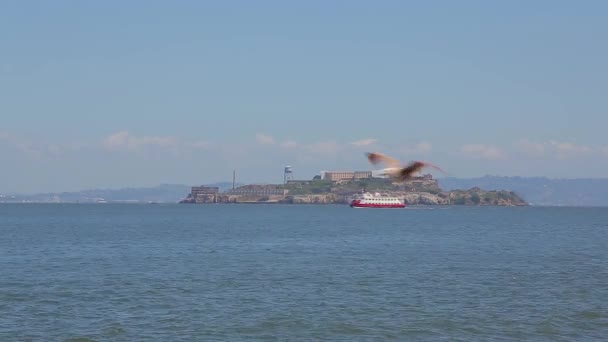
<point x="114" y="94"/>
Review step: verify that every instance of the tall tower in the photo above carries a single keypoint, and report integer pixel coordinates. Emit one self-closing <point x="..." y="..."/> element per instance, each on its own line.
<point x="287" y="174"/>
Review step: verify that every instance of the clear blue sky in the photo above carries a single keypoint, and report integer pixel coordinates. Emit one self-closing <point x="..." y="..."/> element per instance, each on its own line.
<point x="138" y="93"/>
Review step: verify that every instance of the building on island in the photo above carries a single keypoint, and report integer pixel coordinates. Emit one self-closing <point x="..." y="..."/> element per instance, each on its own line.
<point x="204" y="190"/>
<point x="258" y="189"/>
<point x="336" y="176"/>
<point x="202" y="194"/>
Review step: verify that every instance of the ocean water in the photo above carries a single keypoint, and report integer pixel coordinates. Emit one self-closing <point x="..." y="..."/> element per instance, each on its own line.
<point x="107" y="272"/>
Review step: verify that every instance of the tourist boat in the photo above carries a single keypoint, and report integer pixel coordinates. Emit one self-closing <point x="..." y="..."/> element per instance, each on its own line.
<point x="367" y="200"/>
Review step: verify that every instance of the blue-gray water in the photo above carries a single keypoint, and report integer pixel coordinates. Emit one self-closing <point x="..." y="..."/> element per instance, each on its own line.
<point x="274" y="272"/>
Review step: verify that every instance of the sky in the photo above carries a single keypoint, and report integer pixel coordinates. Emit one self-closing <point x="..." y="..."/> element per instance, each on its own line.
<point x="111" y="94"/>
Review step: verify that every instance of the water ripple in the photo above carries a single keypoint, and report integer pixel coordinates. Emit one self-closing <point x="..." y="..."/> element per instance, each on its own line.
<point x="241" y="273"/>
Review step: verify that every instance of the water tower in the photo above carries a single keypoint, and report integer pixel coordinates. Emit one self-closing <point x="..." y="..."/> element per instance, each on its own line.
<point x="287" y="174"/>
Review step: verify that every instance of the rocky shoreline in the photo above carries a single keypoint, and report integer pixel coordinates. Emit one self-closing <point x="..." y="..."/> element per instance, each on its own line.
<point x="474" y="196"/>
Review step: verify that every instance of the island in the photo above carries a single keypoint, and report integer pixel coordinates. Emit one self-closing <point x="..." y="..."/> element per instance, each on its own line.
<point x="423" y="190"/>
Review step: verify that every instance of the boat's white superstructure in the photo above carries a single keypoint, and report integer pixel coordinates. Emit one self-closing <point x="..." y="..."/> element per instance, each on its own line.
<point x="367" y="200"/>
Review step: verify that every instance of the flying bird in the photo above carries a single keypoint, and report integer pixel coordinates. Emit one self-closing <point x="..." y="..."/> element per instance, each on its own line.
<point x="395" y="170"/>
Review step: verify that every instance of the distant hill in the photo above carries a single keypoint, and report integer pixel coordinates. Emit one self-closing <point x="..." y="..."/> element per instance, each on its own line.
<point x="164" y="193"/>
<point x="534" y="190"/>
<point x="540" y="190"/>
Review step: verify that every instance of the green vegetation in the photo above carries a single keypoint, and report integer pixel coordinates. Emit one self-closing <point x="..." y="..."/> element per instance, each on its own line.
<point x="317" y="186"/>
<point x="417" y="191"/>
<point x="459" y="201"/>
<point x="475" y="198"/>
<point x="373" y="184"/>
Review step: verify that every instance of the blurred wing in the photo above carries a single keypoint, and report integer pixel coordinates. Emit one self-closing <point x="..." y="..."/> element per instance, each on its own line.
<point x="375" y="158"/>
<point x="427" y="164"/>
<point x="408" y="171"/>
<point x="414" y="167"/>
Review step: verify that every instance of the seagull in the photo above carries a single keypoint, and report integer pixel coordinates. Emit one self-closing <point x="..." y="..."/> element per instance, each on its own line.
<point x="395" y="170"/>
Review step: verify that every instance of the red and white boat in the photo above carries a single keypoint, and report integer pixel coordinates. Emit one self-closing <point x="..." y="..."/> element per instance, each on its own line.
<point x="367" y="200"/>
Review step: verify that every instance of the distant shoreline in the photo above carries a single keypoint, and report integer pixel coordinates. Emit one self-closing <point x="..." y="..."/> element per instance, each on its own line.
<point x="308" y="204"/>
<point x="537" y="191"/>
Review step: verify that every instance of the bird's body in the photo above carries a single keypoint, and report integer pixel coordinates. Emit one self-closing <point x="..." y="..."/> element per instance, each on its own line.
<point x="395" y="170"/>
<point x="391" y="172"/>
